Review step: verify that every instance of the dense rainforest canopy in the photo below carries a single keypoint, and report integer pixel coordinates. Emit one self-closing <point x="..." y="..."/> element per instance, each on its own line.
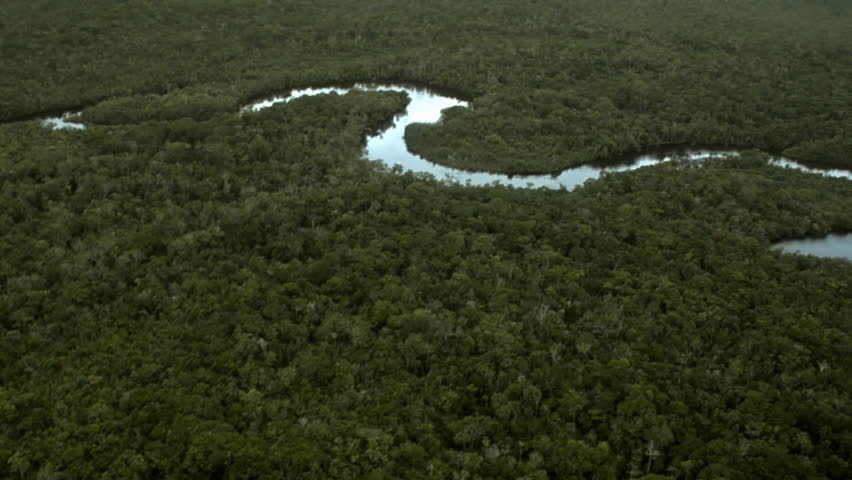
<point x="190" y="292"/>
<point x="555" y="82"/>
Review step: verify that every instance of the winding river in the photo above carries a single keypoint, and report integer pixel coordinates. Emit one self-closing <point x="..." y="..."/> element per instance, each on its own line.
<point x="426" y="106"/>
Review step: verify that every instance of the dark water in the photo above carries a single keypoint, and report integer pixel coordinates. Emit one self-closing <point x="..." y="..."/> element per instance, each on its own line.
<point x="835" y="246"/>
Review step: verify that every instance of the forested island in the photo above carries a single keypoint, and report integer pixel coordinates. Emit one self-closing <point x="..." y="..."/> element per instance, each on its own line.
<point x="192" y="291"/>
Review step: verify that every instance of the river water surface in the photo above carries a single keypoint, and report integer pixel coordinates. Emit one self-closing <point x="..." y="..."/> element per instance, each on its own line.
<point x="63" y="122"/>
<point x="835" y="245"/>
<point x="427" y="106"/>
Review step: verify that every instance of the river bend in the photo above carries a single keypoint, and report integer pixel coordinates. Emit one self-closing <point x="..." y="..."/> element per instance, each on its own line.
<point x="427" y="106"/>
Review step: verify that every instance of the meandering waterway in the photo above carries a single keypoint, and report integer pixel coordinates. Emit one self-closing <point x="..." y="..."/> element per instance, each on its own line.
<point x="426" y="106"/>
<point x="63" y="122"/>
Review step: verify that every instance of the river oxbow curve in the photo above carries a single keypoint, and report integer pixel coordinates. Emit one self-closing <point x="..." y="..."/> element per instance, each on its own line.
<point x="426" y="106"/>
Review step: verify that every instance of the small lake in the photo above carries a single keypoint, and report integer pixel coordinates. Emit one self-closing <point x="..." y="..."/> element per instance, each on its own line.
<point x="426" y="106"/>
<point x="831" y="246"/>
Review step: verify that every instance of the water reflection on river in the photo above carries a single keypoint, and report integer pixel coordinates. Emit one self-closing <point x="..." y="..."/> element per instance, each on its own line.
<point x="835" y="245"/>
<point x="64" y="122"/>
<point x="426" y="106"/>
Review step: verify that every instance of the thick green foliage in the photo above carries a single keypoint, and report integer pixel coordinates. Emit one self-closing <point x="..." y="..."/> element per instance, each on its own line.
<point x="186" y="292"/>
<point x="555" y="82"/>
<point x="243" y="297"/>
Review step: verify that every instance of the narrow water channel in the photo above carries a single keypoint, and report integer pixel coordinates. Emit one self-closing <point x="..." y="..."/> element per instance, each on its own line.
<point x="426" y="106"/>
<point x="63" y="122"/>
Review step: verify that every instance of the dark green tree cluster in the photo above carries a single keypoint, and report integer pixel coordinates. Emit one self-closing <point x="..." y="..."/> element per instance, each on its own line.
<point x="555" y="82"/>
<point x="245" y="297"/>
<point x="190" y="292"/>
